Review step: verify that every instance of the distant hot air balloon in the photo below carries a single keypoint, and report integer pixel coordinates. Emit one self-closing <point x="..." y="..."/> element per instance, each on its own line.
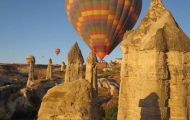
<point x="57" y="51"/>
<point x="102" y="23"/>
<point x="29" y="57"/>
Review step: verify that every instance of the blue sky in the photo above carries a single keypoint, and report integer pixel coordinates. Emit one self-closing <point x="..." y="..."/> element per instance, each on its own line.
<point x="37" y="27"/>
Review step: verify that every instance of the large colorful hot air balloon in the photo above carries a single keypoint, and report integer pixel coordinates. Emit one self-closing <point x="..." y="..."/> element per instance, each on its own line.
<point x="102" y="23"/>
<point x="57" y="51"/>
<point x="29" y="58"/>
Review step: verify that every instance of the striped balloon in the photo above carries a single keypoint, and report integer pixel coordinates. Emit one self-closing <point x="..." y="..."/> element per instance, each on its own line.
<point x="102" y="23"/>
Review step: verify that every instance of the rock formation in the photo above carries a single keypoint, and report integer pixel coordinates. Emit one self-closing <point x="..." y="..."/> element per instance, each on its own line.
<point x="31" y="71"/>
<point x="69" y="101"/>
<point x="108" y="92"/>
<point x="49" y="70"/>
<point x="110" y="87"/>
<point x="24" y="97"/>
<point x="6" y="90"/>
<point x="15" y="96"/>
<point x="91" y="71"/>
<point x="75" y="98"/>
<point x="155" y="69"/>
<point x="16" y="102"/>
<point x="63" y="66"/>
<point x="74" y="69"/>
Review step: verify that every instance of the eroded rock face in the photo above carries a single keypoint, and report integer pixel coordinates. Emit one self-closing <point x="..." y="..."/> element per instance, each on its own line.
<point x="155" y="69"/>
<point x="108" y="92"/>
<point x="91" y="71"/>
<point x="69" y="101"/>
<point x="74" y="69"/>
<point x="107" y="87"/>
<point x="30" y="95"/>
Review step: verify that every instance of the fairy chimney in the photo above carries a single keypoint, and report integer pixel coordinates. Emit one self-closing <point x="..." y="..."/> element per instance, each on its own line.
<point x="155" y="69"/>
<point x="31" y="71"/>
<point x="63" y="66"/>
<point x="49" y="70"/>
<point x="74" y="69"/>
<point x="91" y="71"/>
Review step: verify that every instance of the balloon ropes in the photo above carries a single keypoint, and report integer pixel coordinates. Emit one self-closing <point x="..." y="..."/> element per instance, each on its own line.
<point x="102" y="23"/>
<point x="57" y="51"/>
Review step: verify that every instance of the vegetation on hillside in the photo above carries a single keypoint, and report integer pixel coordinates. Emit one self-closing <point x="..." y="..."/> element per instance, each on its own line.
<point x="109" y="114"/>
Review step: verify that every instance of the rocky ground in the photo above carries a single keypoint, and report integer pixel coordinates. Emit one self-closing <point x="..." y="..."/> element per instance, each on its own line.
<point x="14" y="93"/>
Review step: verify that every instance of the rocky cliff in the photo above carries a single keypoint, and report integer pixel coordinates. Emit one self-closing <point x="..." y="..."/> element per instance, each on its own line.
<point x="155" y="69"/>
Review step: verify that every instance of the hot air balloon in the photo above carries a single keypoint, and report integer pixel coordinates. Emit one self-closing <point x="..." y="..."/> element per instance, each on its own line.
<point x="30" y="57"/>
<point x="57" y="51"/>
<point x="102" y="23"/>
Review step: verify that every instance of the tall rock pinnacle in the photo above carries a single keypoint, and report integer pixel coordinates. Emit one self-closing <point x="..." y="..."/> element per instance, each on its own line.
<point x="49" y="70"/>
<point x="31" y="71"/>
<point x="74" y="69"/>
<point x="63" y="66"/>
<point x="91" y="71"/>
<point x="155" y="69"/>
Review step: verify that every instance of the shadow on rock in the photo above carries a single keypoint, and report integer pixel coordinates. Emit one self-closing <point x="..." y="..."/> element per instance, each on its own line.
<point x="150" y="107"/>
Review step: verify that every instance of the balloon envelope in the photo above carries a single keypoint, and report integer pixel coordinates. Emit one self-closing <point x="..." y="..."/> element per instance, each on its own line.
<point x="57" y="51"/>
<point x="102" y="23"/>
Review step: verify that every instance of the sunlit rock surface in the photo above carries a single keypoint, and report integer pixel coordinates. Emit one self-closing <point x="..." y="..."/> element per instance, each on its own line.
<point x="155" y="69"/>
<point x="91" y="71"/>
<point x="49" y="70"/>
<point x="69" y="101"/>
<point x="74" y="69"/>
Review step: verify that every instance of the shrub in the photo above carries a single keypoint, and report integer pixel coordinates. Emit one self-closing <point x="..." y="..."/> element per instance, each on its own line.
<point x="111" y="113"/>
